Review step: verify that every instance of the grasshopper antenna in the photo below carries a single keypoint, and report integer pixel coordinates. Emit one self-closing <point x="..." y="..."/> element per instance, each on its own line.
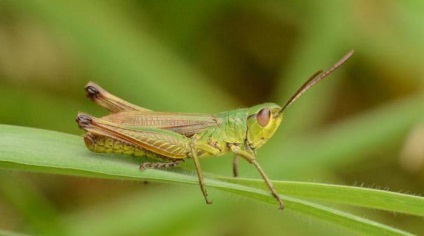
<point x="313" y="80"/>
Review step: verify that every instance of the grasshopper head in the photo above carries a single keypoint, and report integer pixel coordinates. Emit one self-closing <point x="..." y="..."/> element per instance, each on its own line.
<point x="262" y="122"/>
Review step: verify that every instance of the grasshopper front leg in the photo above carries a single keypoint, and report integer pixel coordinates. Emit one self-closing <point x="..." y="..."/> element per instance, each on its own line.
<point x="250" y="157"/>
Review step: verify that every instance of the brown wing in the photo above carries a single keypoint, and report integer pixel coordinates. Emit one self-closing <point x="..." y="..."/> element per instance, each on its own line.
<point x="186" y="124"/>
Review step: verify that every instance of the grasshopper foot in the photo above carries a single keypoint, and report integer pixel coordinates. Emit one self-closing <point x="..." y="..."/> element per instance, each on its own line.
<point x="277" y="197"/>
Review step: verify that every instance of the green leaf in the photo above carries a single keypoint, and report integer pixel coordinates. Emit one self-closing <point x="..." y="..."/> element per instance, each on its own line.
<point x="59" y="153"/>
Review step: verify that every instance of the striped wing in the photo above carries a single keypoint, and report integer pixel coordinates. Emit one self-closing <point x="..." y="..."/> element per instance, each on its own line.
<point x="183" y="123"/>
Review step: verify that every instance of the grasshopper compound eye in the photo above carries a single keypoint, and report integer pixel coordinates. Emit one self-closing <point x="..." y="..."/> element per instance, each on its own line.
<point x="263" y="117"/>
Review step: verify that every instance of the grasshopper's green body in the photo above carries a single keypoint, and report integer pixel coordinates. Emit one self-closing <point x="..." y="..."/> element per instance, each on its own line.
<point x="219" y="131"/>
<point x="173" y="137"/>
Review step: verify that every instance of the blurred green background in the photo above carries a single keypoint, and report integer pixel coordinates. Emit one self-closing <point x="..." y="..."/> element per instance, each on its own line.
<point x="363" y="126"/>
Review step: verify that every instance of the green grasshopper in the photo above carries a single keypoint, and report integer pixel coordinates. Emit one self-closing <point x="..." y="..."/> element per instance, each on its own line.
<point x="173" y="137"/>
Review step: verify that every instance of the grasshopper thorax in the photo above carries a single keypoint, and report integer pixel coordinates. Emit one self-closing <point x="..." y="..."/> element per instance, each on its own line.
<point x="262" y="122"/>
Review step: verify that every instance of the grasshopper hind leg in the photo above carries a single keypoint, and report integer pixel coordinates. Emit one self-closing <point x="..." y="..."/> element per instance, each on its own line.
<point x="103" y="144"/>
<point x="109" y="101"/>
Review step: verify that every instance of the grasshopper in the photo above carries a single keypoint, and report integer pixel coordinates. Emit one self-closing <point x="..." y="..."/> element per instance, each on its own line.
<point x="170" y="138"/>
